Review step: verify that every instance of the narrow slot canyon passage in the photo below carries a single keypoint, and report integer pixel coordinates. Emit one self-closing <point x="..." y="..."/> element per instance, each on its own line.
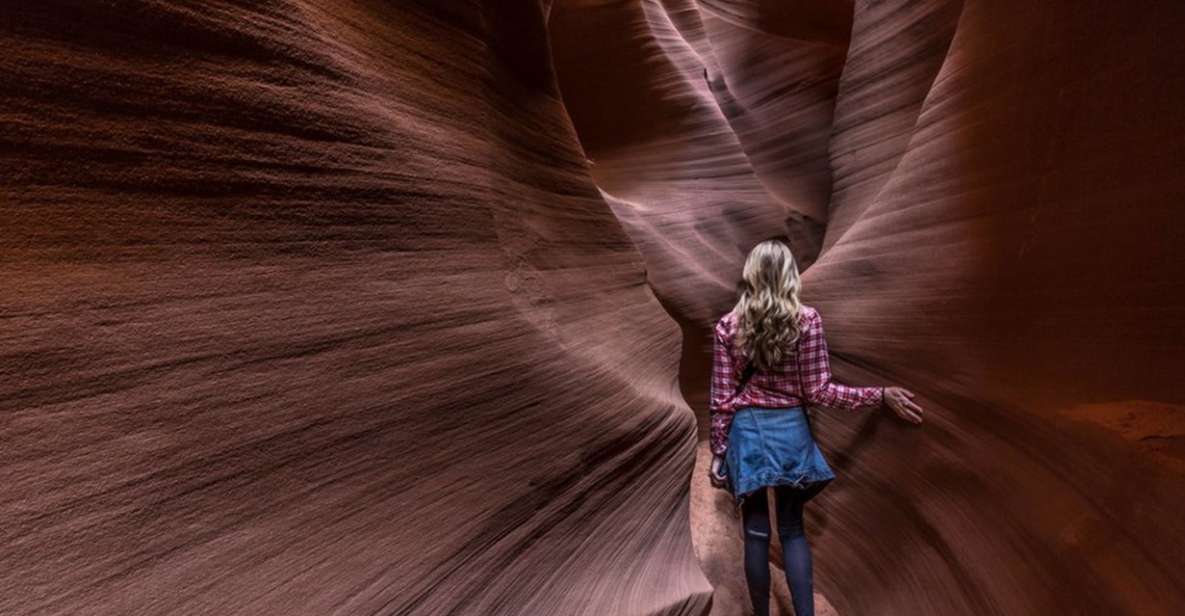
<point x="876" y="138"/>
<point x="404" y="308"/>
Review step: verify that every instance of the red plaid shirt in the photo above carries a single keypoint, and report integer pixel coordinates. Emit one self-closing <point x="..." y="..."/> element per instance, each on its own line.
<point x="777" y="388"/>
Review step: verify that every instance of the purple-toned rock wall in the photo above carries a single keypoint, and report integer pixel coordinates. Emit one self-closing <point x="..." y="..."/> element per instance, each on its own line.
<point x="353" y="307"/>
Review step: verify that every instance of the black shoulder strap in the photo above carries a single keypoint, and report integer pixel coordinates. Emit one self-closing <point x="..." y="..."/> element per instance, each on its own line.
<point x="750" y="368"/>
<point x="798" y="367"/>
<point x="806" y="409"/>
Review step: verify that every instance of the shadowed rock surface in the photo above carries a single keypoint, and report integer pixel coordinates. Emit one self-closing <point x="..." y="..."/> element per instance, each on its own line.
<point x="1002" y="236"/>
<point x="1020" y="260"/>
<point x="342" y="307"/>
<point x="312" y="308"/>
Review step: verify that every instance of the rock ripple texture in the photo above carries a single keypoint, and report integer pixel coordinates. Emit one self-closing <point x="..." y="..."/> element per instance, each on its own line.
<point x="313" y="308"/>
<point x="353" y="307"/>
<point x="998" y="228"/>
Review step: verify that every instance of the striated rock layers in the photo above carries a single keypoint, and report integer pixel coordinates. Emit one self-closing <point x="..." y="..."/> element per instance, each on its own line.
<point x="322" y="307"/>
<point x="312" y="308"/>
<point x="1003" y="235"/>
<point x="1014" y="253"/>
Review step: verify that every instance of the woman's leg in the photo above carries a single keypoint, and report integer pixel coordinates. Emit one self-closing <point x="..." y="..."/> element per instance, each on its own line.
<point x="796" y="552"/>
<point x="755" y="515"/>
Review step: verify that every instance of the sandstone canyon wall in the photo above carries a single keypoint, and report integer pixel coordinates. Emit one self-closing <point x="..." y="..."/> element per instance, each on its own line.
<point x="1015" y="254"/>
<point x="1002" y="235"/>
<point x="353" y="307"/>
<point x="312" y="308"/>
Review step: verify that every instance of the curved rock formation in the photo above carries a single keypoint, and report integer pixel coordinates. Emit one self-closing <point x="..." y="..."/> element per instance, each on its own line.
<point x="896" y="51"/>
<point x="1013" y="256"/>
<point x="312" y="308"/>
<point x="662" y="151"/>
<point x="341" y="307"/>
<point x="1001" y="237"/>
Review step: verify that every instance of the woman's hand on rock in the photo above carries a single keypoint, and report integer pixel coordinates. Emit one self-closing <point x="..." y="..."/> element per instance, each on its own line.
<point x="900" y="400"/>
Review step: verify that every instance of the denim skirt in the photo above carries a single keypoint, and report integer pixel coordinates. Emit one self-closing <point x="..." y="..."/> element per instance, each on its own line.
<point x="773" y="446"/>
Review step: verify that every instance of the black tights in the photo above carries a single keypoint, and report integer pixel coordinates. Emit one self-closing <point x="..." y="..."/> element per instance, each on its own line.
<point x="796" y="553"/>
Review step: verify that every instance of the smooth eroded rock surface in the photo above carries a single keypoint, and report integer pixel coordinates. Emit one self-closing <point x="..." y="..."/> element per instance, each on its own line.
<point x="1014" y="255"/>
<point x="313" y="308"/>
<point x="356" y="307"/>
<point x="1002" y="236"/>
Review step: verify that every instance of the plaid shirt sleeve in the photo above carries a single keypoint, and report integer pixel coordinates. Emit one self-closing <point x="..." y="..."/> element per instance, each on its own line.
<point x="816" y="374"/>
<point x="722" y="384"/>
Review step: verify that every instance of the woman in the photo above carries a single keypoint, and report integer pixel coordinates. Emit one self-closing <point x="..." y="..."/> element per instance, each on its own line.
<point x="760" y="435"/>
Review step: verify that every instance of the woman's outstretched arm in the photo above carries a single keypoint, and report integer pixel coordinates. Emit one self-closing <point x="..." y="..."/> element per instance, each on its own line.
<point x="722" y="384"/>
<point x="816" y="373"/>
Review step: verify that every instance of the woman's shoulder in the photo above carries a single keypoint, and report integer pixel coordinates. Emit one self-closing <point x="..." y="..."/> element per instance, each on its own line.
<point x="808" y="318"/>
<point x="726" y="323"/>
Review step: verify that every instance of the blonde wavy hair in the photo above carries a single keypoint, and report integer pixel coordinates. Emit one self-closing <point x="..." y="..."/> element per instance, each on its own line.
<point x="768" y="307"/>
